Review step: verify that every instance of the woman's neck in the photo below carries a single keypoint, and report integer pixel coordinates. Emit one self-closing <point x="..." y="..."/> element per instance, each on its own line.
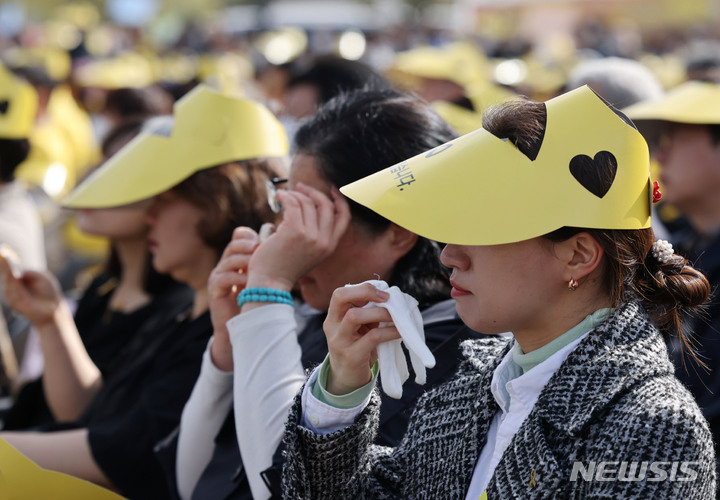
<point x="130" y="293"/>
<point x="200" y="301"/>
<point x="196" y="277"/>
<point x="556" y="322"/>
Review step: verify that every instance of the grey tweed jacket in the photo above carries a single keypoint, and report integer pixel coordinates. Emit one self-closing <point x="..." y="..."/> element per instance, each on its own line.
<point x="614" y="409"/>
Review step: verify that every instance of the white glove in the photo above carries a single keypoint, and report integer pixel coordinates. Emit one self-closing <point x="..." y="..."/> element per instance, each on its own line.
<point x="391" y="359"/>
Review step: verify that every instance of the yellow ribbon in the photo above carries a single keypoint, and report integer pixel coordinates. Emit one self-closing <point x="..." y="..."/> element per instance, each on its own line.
<point x="533" y="483"/>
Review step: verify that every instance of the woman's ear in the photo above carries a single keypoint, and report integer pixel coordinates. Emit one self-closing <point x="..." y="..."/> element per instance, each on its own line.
<point x="581" y="254"/>
<point x="401" y="240"/>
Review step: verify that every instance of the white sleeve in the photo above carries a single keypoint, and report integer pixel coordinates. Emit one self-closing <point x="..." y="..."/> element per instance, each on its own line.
<point x="202" y="417"/>
<point x="268" y="373"/>
<point x="322" y="418"/>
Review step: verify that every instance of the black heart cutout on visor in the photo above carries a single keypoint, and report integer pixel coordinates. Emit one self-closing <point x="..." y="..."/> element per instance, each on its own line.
<point x="595" y="174"/>
<point x="4" y="105"/>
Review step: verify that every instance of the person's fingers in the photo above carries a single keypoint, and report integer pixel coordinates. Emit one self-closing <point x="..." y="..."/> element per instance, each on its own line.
<point x="244" y="233"/>
<point x="244" y="240"/>
<point x="343" y="337"/>
<point x="359" y="320"/>
<point x="9" y="262"/>
<point x="6" y="273"/>
<point x="368" y="342"/>
<point x="292" y="211"/>
<point x="232" y="263"/>
<point x="324" y="208"/>
<point x="223" y="284"/>
<point x="309" y="214"/>
<point x="347" y="297"/>
<point x="42" y="284"/>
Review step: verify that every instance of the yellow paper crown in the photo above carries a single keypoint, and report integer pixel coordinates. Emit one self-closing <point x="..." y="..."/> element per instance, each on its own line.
<point x="481" y="190"/>
<point x="18" y="106"/>
<point x="209" y="129"/>
<point x="691" y="102"/>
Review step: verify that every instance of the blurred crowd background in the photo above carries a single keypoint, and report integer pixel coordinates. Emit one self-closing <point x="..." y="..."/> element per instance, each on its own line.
<point x="96" y="63"/>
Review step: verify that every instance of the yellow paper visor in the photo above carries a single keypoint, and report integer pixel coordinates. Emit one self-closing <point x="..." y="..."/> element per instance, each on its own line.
<point x="691" y="102"/>
<point x="209" y="129"/>
<point x="481" y="190"/>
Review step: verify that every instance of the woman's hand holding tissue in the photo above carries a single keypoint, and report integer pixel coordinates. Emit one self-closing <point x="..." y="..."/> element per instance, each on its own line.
<point x="353" y="334"/>
<point x="368" y="322"/>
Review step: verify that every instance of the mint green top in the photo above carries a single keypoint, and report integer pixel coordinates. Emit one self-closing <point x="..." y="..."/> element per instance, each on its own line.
<point x="534" y="358"/>
<point x="524" y="361"/>
<point x="350" y="400"/>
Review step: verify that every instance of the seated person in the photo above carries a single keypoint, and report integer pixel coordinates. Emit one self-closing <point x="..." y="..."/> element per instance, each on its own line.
<point x="198" y="177"/>
<point x="259" y="351"/>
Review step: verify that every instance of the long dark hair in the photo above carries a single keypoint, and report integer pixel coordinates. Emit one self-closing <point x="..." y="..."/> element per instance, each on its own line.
<point x="360" y="132"/>
<point x="669" y="291"/>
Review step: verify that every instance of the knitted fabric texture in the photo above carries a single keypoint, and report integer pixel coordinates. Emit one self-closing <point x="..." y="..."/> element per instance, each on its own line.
<point x="615" y="399"/>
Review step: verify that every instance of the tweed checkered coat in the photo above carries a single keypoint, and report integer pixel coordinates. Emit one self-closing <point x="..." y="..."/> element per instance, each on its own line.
<point x="613" y="400"/>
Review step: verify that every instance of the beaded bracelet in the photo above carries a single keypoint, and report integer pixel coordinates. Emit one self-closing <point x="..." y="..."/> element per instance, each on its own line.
<point x="264" y="295"/>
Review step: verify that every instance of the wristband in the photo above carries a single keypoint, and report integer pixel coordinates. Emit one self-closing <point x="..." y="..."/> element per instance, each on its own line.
<point x="264" y="295"/>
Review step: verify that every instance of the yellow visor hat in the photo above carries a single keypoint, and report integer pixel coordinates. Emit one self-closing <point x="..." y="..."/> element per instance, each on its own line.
<point x="690" y="102"/>
<point x="481" y="190"/>
<point x="18" y="106"/>
<point x="209" y="129"/>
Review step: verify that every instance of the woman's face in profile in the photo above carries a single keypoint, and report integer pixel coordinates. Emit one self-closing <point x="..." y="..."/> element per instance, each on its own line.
<point x="501" y="288"/>
<point x="174" y="242"/>
<point x="358" y="256"/>
<point x="118" y="223"/>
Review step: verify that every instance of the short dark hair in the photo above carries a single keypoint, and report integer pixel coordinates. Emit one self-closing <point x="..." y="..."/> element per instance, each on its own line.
<point x="12" y="153"/>
<point x="231" y="195"/>
<point x="331" y="75"/>
<point x="667" y="290"/>
<point x="361" y="132"/>
<point x="139" y="102"/>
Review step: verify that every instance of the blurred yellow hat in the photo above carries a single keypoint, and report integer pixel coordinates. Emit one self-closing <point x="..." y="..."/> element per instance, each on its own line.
<point x="463" y="120"/>
<point x="482" y="96"/>
<point x="127" y="70"/>
<point x="209" y="129"/>
<point x="481" y="190"/>
<point x="690" y="102"/>
<point x="226" y="72"/>
<point x="459" y="62"/>
<point x="50" y="163"/>
<point x="53" y="61"/>
<point x="18" y="106"/>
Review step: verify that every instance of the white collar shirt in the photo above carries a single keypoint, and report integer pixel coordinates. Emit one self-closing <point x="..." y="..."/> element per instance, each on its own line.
<point x="516" y="393"/>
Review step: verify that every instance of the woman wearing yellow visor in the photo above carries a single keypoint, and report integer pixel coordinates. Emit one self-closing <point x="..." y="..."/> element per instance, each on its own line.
<point x="546" y="215"/>
<point x="200" y="175"/>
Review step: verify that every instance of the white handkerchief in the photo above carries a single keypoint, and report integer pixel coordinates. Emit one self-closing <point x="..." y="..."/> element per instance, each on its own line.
<point x="391" y="359"/>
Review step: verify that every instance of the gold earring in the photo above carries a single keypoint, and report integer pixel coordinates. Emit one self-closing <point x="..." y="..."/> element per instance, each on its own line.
<point x="573" y="284"/>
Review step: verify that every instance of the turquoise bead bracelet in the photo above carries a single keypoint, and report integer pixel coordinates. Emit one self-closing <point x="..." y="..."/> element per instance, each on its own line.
<point x="264" y="295"/>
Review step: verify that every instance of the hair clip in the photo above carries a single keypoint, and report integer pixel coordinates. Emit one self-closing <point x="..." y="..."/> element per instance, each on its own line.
<point x="662" y="250"/>
<point x="657" y="194"/>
